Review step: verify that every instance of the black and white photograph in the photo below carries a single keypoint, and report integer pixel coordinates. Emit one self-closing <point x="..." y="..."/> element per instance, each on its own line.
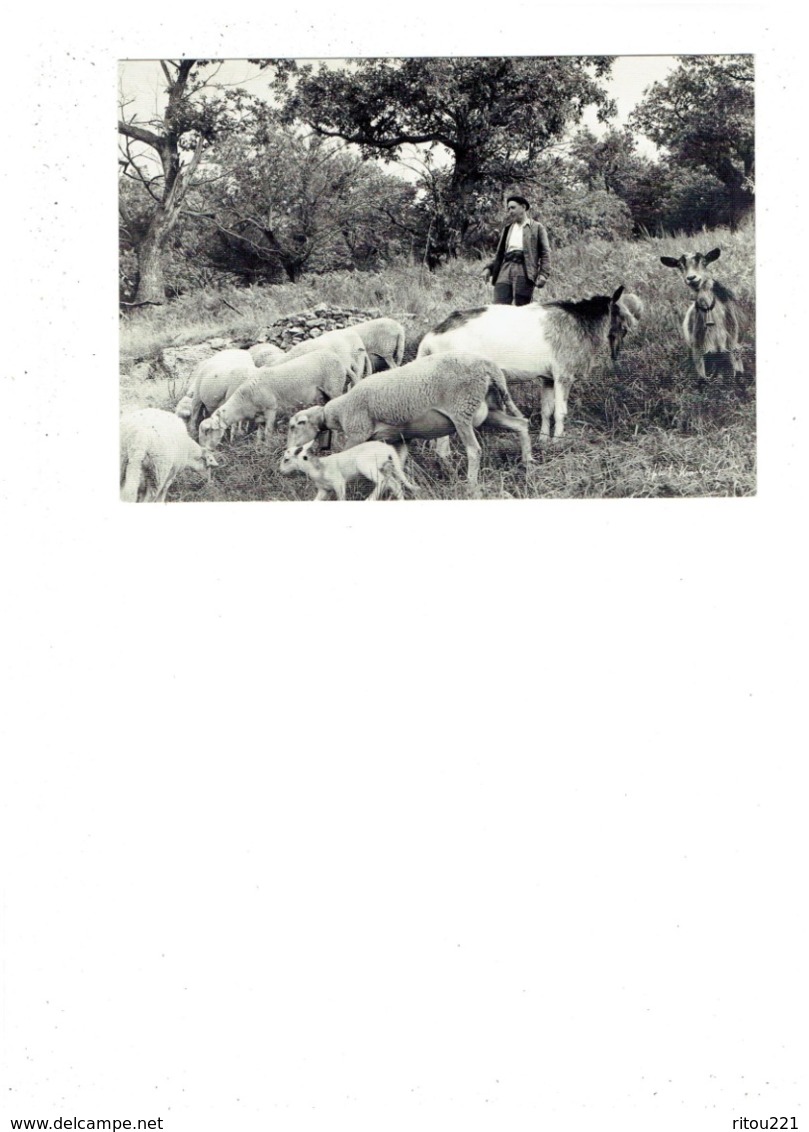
<point x="291" y="228"/>
<point x="483" y="811"/>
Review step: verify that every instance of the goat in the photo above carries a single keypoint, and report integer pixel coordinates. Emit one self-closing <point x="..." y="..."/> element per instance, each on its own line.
<point x="556" y="341"/>
<point x="427" y="398"/>
<point x="373" y="460"/>
<point x="712" y="323"/>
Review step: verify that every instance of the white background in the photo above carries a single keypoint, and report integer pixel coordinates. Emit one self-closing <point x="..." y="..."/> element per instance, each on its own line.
<point x="445" y="816"/>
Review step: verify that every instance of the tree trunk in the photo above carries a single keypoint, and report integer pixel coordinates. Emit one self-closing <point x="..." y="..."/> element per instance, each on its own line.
<point x="151" y="285"/>
<point x="293" y="269"/>
<point x="465" y="180"/>
<point x="741" y="199"/>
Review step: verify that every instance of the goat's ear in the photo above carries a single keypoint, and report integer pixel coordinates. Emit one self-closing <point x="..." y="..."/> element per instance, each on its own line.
<point x="618" y="294"/>
<point x="711" y="256"/>
<point x="669" y="261"/>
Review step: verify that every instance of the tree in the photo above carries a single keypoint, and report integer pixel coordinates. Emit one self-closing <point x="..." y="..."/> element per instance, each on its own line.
<point x="703" y="116"/>
<point x="610" y="162"/>
<point x="163" y="156"/>
<point x="490" y="118"/>
<point x="298" y="202"/>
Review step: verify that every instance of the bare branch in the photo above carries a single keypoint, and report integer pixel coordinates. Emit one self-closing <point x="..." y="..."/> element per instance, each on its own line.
<point x="388" y="143"/>
<point x="138" y="133"/>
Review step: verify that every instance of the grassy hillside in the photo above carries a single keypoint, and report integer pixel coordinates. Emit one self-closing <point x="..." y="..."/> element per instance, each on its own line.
<point x="641" y="428"/>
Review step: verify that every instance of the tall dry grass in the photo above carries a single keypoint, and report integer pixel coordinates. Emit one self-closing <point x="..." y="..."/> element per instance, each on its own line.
<point x="642" y="428"/>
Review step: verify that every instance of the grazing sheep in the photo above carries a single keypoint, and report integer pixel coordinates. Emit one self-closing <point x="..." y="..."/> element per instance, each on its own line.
<point x="712" y="322"/>
<point x="384" y="341"/>
<point x="213" y="381"/>
<point x="155" y="447"/>
<point x="555" y="341"/>
<point x="374" y="461"/>
<point x="346" y="343"/>
<point x="185" y="404"/>
<point x="428" y="398"/>
<point x="265" y="353"/>
<point x="275" y="389"/>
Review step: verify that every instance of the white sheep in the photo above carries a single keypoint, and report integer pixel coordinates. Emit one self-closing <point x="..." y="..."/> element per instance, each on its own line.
<point x="212" y="382"/>
<point x="384" y="341"/>
<point x="555" y="342"/>
<point x="346" y="343"/>
<point x="428" y="398"/>
<point x="275" y="389"/>
<point x="185" y="404"/>
<point x="155" y="447"/>
<point x="373" y="460"/>
<point x="266" y="353"/>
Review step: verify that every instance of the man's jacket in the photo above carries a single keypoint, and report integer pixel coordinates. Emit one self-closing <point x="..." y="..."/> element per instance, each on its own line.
<point x="535" y="247"/>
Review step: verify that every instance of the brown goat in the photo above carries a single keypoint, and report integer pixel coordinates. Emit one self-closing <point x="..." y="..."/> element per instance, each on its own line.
<point x="712" y="322"/>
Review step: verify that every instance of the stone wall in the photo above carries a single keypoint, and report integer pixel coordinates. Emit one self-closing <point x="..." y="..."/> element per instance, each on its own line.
<point x="291" y="329"/>
<point x="177" y="363"/>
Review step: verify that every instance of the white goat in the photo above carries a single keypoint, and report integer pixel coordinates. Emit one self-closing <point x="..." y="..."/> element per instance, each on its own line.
<point x="266" y="353"/>
<point x="155" y="447"/>
<point x="712" y="322"/>
<point x="384" y="341"/>
<point x="374" y="461"/>
<point x="428" y="398"/>
<point x="212" y="382"/>
<point x="556" y="342"/>
<point x="346" y="343"/>
<point x="275" y="389"/>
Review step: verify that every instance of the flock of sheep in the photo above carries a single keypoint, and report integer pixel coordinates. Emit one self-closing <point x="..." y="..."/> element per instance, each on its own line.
<point x="351" y="381"/>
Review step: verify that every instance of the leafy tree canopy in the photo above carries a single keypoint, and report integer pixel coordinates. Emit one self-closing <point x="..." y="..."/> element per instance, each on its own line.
<point x="493" y="117"/>
<point x="703" y="115"/>
<point x="382" y="104"/>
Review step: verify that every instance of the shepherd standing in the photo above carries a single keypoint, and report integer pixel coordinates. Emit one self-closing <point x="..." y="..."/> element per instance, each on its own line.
<point x="523" y="258"/>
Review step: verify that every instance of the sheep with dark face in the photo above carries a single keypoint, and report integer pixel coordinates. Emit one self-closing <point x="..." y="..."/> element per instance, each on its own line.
<point x="555" y="342"/>
<point x="712" y="322"/>
<point x="428" y="398"/>
<point x="155" y="448"/>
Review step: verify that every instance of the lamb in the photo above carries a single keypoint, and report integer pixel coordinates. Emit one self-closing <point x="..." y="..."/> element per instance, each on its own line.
<point x="155" y="447"/>
<point x="265" y="353"/>
<point x="712" y="322"/>
<point x="373" y="460"/>
<point x="556" y="341"/>
<point x="384" y="341"/>
<point x="212" y="382"/>
<point x="347" y="344"/>
<point x="428" y="398"/>
<point x="275" y="389"/>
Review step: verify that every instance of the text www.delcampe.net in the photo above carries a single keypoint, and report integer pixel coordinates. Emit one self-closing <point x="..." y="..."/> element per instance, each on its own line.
<point x="78" y="1124"/>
